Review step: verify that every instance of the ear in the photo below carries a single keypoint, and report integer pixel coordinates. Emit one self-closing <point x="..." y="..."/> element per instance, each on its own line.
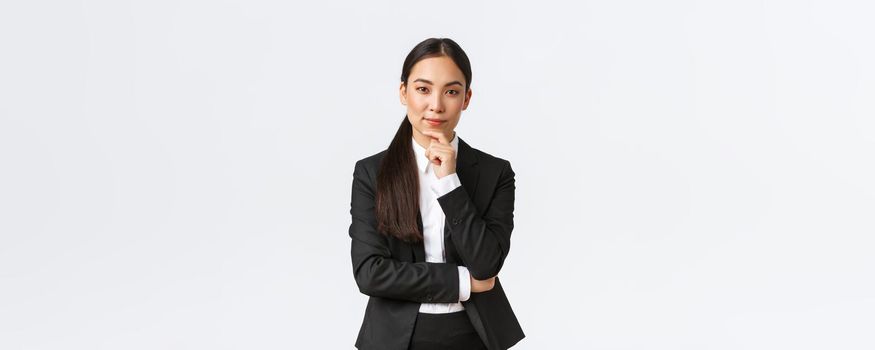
<point x="402" y="93"/>
<point x="467" y="99"/>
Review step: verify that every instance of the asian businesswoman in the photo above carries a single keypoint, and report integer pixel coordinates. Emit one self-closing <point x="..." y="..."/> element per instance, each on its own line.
<point x="431" y="221"/>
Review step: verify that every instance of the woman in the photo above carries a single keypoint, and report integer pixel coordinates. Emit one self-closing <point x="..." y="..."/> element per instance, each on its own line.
<point x="431" y="221"/>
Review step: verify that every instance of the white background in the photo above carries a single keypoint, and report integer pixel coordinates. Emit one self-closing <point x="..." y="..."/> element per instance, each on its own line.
<point x="689" y="175"/>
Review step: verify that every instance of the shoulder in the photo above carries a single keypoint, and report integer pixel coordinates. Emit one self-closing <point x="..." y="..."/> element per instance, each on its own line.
<point x="372" y="161"/>
<point x="495" y="163"/>
<point x="489" y="159"/>
<point x="367" y="167"/>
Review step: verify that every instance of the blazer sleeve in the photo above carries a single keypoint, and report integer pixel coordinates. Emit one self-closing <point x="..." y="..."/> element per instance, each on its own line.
<point x="376" y="272"/>
<point x="482" y="242"/>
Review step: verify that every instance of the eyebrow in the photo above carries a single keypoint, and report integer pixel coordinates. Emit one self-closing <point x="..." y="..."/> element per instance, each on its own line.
<point x="454" y="82"/>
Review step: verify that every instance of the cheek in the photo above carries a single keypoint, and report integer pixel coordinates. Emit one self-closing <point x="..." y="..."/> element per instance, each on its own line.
<point x="416" y="102"/>
<point x="456" y="101"/>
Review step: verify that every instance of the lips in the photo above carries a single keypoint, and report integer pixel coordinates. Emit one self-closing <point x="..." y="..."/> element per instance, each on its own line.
<point x="434" y="122"/>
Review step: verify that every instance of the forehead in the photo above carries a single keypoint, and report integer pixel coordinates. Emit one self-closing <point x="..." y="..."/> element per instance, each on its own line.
<point x="437" y="69"/>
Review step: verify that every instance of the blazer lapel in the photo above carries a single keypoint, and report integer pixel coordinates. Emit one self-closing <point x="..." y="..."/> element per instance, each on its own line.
<point x="469" y="174"/>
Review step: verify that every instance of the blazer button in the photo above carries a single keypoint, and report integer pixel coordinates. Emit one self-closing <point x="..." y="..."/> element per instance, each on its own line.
<point x="455" y="221"/>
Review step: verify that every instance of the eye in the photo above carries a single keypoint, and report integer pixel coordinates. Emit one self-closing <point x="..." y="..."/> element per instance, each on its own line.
<point x="423" y="89"/>
<point x="454" y="92"/>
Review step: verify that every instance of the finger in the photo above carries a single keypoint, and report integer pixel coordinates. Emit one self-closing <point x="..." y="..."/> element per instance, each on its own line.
<point x="437" y="145"/>
<point x="432" y="157"/>
<point x="445" y="152"/>
<point x="436" y="135"/>
<point x="441" y="152"/>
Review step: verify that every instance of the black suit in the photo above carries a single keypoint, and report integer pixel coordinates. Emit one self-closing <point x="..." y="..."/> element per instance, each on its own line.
<point x="479" y="221"/>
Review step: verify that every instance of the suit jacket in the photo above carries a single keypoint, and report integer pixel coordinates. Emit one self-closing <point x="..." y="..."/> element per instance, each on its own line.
<point x="479" y="221"/>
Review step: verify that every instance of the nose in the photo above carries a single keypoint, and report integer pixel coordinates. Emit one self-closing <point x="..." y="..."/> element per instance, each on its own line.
<point x="437" y="104"/>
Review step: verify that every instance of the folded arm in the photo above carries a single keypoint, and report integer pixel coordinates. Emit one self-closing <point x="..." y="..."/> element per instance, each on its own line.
<point x="377" y="273"/>
<point x="482" y="242"/>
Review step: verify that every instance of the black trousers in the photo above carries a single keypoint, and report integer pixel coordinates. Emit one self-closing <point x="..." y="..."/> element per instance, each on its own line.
<point x="452" y="331"/>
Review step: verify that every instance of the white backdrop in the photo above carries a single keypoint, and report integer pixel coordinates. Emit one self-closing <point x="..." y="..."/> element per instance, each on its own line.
<point x="690" y="175"/>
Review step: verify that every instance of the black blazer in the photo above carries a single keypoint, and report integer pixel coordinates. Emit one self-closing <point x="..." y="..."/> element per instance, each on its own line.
<point x="479" y="221"/>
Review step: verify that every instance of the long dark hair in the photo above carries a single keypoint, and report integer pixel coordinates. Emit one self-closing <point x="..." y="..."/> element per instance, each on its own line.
<point x="397" y="200"/>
